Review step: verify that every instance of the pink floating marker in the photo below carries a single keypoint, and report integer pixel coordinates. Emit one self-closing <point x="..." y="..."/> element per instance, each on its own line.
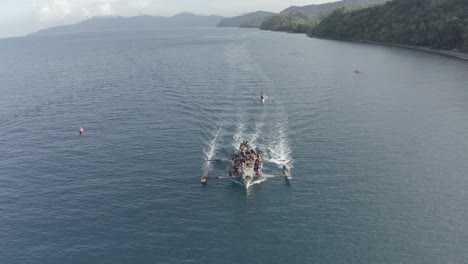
<point x="81" y="131"/>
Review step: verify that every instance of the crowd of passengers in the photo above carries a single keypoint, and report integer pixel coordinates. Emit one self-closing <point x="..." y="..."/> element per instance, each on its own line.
<point x="245" y="158"/>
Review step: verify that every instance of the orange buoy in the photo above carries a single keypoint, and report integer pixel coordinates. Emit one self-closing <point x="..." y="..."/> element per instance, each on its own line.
<point x="81" y="131"/>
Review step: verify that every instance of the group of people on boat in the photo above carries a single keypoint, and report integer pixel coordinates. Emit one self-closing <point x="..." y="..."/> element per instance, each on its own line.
<point x="247" y="157"/>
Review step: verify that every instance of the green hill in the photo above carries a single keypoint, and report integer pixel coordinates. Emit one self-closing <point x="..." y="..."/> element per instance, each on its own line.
<point x="302" y="19"/>
<point x="250" y="20"/>
<point x="296" y="23"/>
<point x="432" y="23"/>
<point x="322" y="10"/>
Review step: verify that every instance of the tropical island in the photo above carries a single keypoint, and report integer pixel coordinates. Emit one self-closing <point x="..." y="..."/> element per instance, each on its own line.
<point x="436" y="24"/>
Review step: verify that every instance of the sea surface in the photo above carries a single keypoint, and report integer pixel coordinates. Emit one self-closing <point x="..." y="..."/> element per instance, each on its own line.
<point x="379" y="158"/>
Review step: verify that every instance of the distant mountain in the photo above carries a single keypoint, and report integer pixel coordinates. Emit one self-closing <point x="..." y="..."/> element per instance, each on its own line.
<point x="96" y="24"/>
<point x="250" y="20"/>
<point x="322" y="10"/>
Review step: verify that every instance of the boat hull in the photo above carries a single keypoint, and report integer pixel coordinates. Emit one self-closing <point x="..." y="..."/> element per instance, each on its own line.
<point x="246" y="180"/>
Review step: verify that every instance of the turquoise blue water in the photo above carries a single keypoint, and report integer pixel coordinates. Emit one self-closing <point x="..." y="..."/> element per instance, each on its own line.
<point x="378" y="158"/>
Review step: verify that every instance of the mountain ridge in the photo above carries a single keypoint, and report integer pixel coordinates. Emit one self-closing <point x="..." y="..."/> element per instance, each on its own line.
<point x="313" y="12"/>
<point x="249" y="20"/>
<point x="319" y="11"/>
<point x="110" y="23"/>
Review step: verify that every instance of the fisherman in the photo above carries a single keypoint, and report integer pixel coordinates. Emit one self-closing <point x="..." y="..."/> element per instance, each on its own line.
<point x="256" y="165"/>
<point x="237" y="167"/>
<point x="242" y="170"/>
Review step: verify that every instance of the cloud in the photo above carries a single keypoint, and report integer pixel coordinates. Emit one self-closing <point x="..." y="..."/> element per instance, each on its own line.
<point x="55" y="10"/>
<point x="106" y="9"/>
<point x="85" y="12"/>
<point x="52" y="11"/>
<point x="139" y="3"/>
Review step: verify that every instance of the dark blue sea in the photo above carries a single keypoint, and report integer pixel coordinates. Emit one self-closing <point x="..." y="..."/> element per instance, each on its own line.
<point x="379" y="158"/>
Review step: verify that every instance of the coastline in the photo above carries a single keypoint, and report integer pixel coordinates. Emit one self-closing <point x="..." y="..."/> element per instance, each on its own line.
<point x="453" y="54"/>
<point x="448" y="53"/>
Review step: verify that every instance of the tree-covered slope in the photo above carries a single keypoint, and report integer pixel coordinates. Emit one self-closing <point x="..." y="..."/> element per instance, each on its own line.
<point x="432" y="23"/>
<point x="253" y="20"/>
<point x="302" y="19"/>
<point x="322" y="10"/>
<point x="297" y="23"/>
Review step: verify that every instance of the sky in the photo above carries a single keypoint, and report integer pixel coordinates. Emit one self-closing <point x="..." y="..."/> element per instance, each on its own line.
<point x="20" y="17"/>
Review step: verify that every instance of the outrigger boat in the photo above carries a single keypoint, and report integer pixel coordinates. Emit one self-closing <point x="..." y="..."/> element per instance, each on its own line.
<point x="246" y="167"/>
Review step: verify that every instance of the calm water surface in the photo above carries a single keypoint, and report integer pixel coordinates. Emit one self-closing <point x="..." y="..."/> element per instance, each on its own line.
<point x="379" y="159"/>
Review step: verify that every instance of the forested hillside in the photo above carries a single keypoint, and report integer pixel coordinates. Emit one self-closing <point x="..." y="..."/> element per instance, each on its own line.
<point x="297" y="23"/>
<point x="249" y="20"/>
<point x="302" y="19"/>
<point x="320" y="11"/>
<point x="433" y="23"/>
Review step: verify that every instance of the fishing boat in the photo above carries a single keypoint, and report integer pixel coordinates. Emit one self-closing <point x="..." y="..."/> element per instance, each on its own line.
<point x="246" y="167"/>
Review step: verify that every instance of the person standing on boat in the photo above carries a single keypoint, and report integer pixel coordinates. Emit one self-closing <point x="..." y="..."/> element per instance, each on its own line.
<point x="256" y="165"/>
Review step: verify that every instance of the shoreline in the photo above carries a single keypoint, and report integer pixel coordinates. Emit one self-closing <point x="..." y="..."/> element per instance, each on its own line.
<point x="448" y="53"/>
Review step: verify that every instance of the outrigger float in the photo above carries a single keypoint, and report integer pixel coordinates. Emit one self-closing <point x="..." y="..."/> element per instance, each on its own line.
<point x="246" y="167"/>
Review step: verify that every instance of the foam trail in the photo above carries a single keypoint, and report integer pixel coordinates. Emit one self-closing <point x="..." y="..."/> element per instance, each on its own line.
<point x="240" y="131"/>
<point x="258" y="181"/>
<point x="279" y="149"/>
<point x="213" y="146"/>
<point x="253" y="183"/>
<point x="258" y="132"/>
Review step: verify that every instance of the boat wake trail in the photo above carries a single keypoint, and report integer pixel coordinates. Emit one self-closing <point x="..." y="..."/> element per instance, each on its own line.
<point x="245" y="133"/>
<point x="239" y="136"/>
<point x="210" y="151"/>
<point x="269" y="133"/>
<point x="258" y="131"/>
<point x="277" y="148"/>
<point x="252" y="183"/>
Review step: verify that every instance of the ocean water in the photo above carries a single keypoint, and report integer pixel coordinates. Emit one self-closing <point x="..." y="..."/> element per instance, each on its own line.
<point x="379" y="158"/>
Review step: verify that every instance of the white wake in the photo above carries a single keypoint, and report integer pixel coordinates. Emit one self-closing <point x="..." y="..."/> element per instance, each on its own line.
<point x="213" y="146"/>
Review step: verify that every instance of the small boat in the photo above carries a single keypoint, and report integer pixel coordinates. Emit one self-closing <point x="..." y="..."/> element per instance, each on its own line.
<point x="246" y="167"/>
<point x="263" y="97"/>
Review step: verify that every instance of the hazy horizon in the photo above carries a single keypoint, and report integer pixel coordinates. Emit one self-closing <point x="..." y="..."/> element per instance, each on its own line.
<point x="20" y="17"/>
